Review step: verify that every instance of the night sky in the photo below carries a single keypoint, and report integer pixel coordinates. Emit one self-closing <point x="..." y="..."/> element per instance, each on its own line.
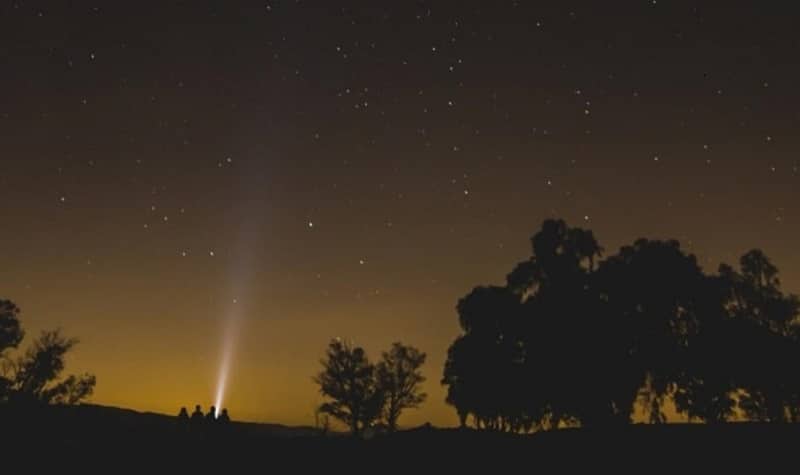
<point x="303" y="170"/>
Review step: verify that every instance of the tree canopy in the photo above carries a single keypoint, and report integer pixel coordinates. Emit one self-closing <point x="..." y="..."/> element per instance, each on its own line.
<point x="399" y="378"/>
<point x="348" y="381"/>
<point x="34" y="376"/>
<point x="360" y="393"/>
<point x="571" y="339"/>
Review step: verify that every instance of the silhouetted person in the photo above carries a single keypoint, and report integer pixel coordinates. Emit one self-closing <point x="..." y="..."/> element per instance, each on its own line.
<point x="212" y="414"/>
<point x="223" y="417"/>
<point x="197" y="415"/>
<point x="183" y="416"/>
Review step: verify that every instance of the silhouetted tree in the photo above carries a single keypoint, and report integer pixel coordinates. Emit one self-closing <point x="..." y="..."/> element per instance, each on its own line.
<point x="11" y="335"/>
<point x="654" y="290"/>
<point x="321" y="421"/>
<point x="348" y="381"/>
<point x="399" y="379"/>
<point x="483" y="366"/>
<point x="33" y="377"/>
<point x="457" y="370"/>
<point x="764" y="320"/>
<point x="572" y="340"/>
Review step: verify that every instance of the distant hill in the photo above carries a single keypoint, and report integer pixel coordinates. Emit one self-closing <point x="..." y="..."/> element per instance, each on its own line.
<point x="105" y="437"/>
<point x="131" y="417"/>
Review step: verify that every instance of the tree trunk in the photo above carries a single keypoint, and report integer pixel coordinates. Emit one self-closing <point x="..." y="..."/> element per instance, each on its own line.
<point x="393" y="414"/>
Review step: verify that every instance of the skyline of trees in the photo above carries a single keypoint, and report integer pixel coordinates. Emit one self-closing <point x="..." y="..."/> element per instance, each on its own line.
<point x="575" y="340"/>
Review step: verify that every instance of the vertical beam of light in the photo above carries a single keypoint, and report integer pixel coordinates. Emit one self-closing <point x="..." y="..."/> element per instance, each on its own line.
<point x="250" y="208"/>
<point x="230" y="334"/>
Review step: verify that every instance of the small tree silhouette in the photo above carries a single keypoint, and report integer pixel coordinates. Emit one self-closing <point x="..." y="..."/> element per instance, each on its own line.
<point x="348" y="380"/>
<point x="399" y="379"/>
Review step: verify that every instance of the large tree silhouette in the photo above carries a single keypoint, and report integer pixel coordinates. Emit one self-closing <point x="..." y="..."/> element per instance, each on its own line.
<point x="571" y="339"/>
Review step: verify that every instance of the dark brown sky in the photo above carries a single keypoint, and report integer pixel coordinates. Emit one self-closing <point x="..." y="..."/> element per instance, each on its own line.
<point x="356" y="169"/>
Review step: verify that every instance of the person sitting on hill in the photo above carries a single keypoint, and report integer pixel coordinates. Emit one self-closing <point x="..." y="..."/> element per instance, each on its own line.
<point x="197" y="415"/>
<point x="212" y="414"/>
<point x="183" y="416"/>
<point x="223" y="417"/>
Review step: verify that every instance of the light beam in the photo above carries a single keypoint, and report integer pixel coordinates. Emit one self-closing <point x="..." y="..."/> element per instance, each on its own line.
<point x="241" y="273"/>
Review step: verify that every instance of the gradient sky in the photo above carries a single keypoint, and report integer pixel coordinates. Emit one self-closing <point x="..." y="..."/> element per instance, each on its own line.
<point x="314" y="169"/>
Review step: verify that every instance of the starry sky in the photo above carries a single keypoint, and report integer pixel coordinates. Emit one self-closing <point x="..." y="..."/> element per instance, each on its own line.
<point x="319" y="169"/>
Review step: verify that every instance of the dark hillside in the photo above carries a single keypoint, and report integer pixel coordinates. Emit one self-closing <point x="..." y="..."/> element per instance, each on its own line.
<point x="97" y="437"/>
